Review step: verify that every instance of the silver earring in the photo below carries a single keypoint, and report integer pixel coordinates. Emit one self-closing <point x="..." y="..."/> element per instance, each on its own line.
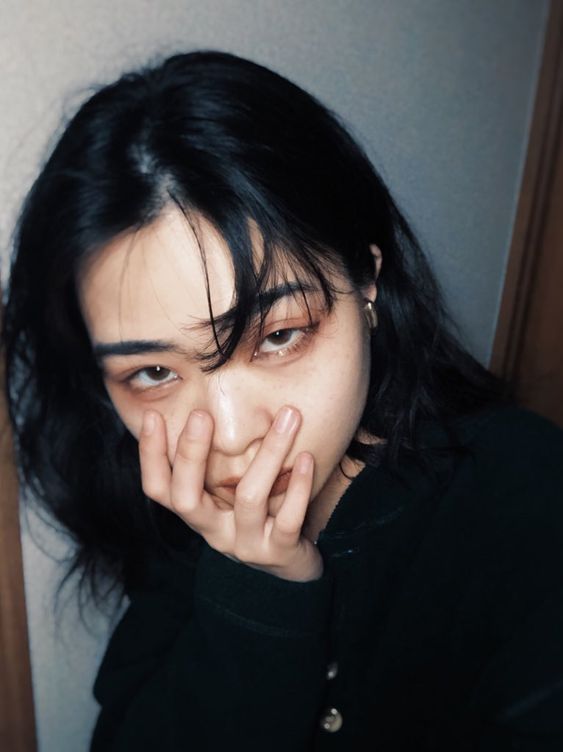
<point x="370" y="313"/>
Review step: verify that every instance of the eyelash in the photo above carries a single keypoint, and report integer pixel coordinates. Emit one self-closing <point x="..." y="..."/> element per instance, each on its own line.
<point x="305" y="332"/>
<point x="135" y="377"/>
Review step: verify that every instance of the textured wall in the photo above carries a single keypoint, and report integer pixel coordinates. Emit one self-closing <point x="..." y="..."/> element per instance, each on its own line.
<point x="439" y="92"/>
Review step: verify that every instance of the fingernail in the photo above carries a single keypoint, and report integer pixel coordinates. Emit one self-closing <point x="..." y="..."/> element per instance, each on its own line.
<point x="285" y="420"/>
<point x="196" y="425"/>
<point x="148" y="423"/>
<point x="304" y="462"/>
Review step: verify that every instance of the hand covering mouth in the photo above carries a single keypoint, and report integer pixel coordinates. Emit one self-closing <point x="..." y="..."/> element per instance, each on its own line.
<point x="229" y="485"/>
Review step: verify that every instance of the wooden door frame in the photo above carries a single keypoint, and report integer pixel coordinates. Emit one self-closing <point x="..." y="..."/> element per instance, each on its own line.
<point x="17" y="715"/>
<point x="533" y="204"/>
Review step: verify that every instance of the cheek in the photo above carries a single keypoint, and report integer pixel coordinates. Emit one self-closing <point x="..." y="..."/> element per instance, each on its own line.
<point x="131" y="414"/>
<point x="332" y="403"/>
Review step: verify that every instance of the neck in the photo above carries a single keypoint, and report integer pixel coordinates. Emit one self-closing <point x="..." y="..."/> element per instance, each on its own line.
<point x="324" y="503"/>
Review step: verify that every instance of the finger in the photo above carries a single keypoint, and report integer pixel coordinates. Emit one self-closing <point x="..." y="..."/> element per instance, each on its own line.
<point x="287" y="525"/>
<point x="188" y="498"/>
<point x="153" y="457"/>
<point x="254" y="489"/>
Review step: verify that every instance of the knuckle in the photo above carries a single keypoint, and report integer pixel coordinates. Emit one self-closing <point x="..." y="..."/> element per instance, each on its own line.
<point x="247" y="497"/>
<point x="287" y="528"/>
<point x="152" y="489"/>
<point x="183" y="506"/>
<point x="187" y="449"/>
<point x="245" y="553"/>
<point x="274" y="444"/>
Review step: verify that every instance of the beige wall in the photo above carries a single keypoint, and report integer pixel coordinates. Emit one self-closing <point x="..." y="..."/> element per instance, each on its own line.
<point x="439" y="92"/>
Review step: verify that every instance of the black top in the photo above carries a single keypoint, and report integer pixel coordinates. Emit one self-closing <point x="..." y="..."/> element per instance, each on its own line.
<point x="437" y="624"/>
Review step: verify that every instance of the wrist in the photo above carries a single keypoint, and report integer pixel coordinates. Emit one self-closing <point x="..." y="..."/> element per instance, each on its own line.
<point x="227" y="586"/>
<point x="307" y="568"/>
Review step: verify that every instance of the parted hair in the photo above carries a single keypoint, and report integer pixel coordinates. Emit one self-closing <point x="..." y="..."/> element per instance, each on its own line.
<point x="223" y="138"/>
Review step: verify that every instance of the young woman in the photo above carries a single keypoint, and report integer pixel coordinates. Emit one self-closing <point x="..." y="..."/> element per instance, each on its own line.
<point x="232" y="380"/>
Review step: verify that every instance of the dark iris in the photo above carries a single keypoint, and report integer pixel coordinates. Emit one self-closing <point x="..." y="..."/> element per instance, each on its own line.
<point x="281" y="337"/>
<point x="158" y="373"/>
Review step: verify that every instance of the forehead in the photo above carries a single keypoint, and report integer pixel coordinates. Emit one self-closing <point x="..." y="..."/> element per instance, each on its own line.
<point x="161" y="265"/>
<point x="156" y="278"/>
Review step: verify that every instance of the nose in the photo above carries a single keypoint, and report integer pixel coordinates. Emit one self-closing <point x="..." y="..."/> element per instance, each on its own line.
<point x="241" y="410"/>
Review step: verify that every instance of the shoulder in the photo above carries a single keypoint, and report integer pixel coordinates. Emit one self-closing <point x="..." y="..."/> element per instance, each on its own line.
<point x="507" y="429"/>
<point x="505" y="508"/>
<point x="505" y="454"/>
<point x="515" y="449"/>
<point x="510" y="467"/>
<point x="509" y="498"/>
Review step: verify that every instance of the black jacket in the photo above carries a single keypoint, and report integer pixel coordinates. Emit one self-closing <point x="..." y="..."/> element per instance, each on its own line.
<point x="437" y="624"/>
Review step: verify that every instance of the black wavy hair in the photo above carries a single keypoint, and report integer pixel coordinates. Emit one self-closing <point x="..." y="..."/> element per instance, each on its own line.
<point x="224" y="138"/>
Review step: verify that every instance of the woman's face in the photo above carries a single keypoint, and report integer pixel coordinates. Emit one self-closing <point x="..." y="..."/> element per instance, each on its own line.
<point x="145" y="304"/>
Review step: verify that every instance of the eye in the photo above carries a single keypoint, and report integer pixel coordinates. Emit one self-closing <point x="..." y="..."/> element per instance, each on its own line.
<point x="151" y="376"/>
<point x="283" y="342"/>
<point x="279" y="339"/>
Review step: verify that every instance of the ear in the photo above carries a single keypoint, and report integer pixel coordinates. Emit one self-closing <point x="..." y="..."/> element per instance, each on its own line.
<point x="377" y="258"/>
<point x="369" y="291"/>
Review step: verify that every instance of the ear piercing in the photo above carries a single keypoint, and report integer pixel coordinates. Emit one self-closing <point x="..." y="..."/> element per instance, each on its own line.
<point x="370" y="313"/>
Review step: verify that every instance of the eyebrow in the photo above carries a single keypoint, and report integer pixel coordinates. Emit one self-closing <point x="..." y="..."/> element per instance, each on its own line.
<point x="263" y="301"/>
